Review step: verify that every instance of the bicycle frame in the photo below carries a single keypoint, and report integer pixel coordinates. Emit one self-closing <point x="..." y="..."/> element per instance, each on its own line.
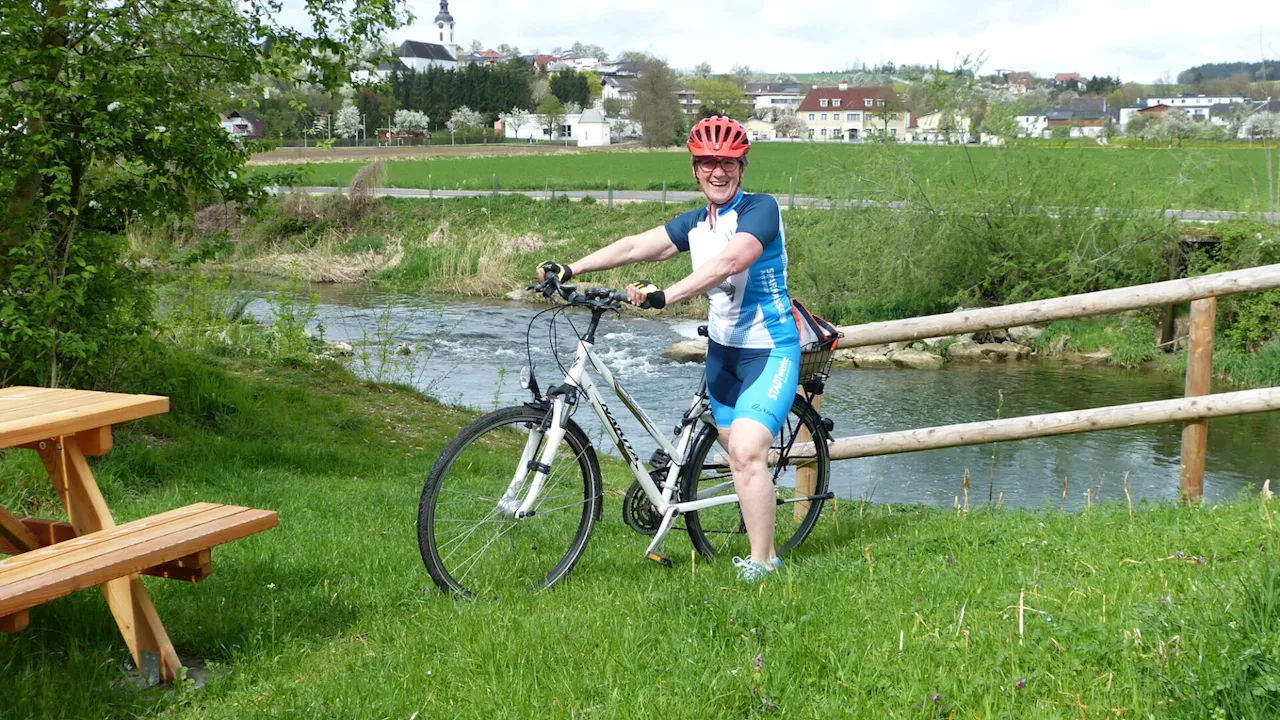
<point x="578" y="380"/>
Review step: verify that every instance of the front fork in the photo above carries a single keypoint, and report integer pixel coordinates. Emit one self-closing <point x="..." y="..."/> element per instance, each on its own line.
<point x="548" y="437"/>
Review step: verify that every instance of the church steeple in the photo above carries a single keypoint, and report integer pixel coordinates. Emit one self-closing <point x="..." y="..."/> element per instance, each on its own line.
<point x="444" y="28"/>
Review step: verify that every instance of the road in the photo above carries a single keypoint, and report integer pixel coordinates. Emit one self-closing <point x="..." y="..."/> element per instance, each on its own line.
<point x="674" y="196"/>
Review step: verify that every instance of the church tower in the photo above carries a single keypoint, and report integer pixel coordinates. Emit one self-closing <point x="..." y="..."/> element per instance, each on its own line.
<point x="444" y="29"/>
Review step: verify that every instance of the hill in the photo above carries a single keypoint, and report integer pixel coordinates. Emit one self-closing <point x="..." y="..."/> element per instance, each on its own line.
<point x="1222" y="71"/>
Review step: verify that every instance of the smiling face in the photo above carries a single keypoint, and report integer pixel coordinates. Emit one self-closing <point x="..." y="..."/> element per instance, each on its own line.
<point x="719" y="178"/>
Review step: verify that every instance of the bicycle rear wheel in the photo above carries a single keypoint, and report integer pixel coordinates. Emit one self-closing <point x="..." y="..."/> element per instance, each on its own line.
<point x="720" y="530"/>
<point x="474" y="548"/>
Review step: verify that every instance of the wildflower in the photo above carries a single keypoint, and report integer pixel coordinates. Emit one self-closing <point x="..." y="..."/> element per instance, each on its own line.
<point x="271" y="586"/>
<point x="1021" y="683"/>
<point x="759" y="661"/>
<point x="937" y="698"/>
<point x="948" y="560"/>
<point x="1180" y="555"/>
<point x="161" y="128"/>
<point x="111" y="107"/>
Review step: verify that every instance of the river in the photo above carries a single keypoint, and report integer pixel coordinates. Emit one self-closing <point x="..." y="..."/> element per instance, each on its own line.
<point x="469" y="352"/>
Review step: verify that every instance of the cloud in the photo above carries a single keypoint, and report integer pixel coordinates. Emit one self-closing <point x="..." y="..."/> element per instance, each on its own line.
<point x="1137" y="40"/>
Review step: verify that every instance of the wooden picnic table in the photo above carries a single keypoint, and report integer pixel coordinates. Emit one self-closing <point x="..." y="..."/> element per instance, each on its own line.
<point x="51" y="559"/>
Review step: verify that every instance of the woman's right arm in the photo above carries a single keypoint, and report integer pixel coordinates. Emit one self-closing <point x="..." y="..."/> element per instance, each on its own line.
<point x="648" y="246"/>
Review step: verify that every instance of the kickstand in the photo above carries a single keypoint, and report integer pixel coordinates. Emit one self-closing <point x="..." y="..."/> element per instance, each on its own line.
<point x="663" y="528"/>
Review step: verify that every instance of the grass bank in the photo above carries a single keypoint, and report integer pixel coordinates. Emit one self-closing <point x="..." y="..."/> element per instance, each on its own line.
<point x="887" y="612"/>
<point x="1221" y="178"/>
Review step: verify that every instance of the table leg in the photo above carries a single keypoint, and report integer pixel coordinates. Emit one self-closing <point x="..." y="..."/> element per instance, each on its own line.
<point x="87" y="510"/>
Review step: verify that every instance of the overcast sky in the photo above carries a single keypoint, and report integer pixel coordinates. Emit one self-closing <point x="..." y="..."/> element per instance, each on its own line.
<point x="1135" y="40"/>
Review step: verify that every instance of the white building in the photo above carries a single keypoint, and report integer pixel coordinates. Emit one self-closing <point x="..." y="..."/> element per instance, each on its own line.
<point x="422" y="56"/>
<point x="775" y="96"/>
<point x="1199" y="107"/>
<point x="592" y="129"/>
<point x="928" y="128"/>
<point x="595" y="131"/>
<point x="1032" y="122"/>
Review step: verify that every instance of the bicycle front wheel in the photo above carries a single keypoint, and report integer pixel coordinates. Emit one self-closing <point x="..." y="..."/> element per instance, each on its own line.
<point x="469" y="537"/>
<point x="719" y="530"/>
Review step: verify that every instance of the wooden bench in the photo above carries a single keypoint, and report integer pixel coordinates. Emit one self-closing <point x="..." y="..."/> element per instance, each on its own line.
<point x="51" y="559"/>
<point x="173" y="544"/>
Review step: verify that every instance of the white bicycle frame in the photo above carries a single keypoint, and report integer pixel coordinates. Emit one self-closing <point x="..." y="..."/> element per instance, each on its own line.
<point x="577" y="377"/>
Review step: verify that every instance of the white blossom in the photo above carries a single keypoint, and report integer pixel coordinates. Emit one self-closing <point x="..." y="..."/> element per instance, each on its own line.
<point x="111" y="107"/>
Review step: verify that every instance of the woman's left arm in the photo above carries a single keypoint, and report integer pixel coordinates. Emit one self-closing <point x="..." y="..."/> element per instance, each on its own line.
<point x="743" y="250"/>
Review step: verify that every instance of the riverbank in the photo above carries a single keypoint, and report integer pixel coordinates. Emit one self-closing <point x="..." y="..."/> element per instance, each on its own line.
<point x="489" y="246"/>
<point x="887" y="611"/>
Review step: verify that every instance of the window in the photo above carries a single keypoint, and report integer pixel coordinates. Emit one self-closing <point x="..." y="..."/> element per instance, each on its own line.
<point x="810" y="132"/>
<point x="835" y="116"/>
<point x="854" y="116"/>
<point x="823" y="102"/>
<point x="835" y="102"/>
<point x="893" y="131"/>
<point x="824" y="132"/>
<point x="879" y="102"/>
<point x="824" y="117"/>
<point x="893" y="116"/>
<point x="810" y="116"/>
<point x="868" y="101"/>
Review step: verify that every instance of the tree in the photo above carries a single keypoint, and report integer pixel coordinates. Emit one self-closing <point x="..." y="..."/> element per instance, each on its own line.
<point x="411" y="120"/>
<point x="476" y="46"/>
<point x="1001" y="121"/>
<point x="613" y="107"/>
<point x="790" y="125"/>
<point x="462" y="121"/>
<point x="508" y="51"/>
<point x="703" y="71"/>
<point x="1177" y="125"/>
<point x="592" y="51"/>
<point x="515" y="120"/>
<point x="571" y="86"/>
<point x="572" y="108"/>
<point x="595" y="88"/>
<point x="655" y="106"/>
<point x="110" y="115"/>
<point x="551" y="114"/>
<point x="1137" y="125"/>
<point x="741" y="75"/>
<point x="722" y="97"/>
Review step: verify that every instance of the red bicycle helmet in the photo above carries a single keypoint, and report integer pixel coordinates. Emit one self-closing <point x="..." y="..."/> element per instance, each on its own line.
<point x="718" y="136"/>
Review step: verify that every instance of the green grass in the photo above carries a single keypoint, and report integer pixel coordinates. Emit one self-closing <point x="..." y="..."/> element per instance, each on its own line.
<point x="887" y="612"/>
<point x="1216" y="178"/>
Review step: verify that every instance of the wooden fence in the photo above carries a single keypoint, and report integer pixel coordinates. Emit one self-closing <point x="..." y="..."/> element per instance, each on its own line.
<point x="1195" y="409"/>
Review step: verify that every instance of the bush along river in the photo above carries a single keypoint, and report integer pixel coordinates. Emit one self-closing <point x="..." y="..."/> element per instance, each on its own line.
<point x="469" y="352"/>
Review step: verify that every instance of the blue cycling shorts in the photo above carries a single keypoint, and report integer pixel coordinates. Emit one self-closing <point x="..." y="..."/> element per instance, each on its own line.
<point x="755" y="383"/>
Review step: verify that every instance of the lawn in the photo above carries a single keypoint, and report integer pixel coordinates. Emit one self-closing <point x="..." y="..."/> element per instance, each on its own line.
<point x="887" y="612"/>
<point x="1224" y="179"/>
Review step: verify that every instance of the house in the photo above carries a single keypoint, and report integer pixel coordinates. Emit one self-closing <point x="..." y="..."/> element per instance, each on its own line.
<point x="242" y="124"/>
<point x="845" y="113"/>
<point x="1063" y="79"/>
<point x="579" y="62"/>
<point x="760" y="130"/>
<point x="688" y="103"/>
<point x="541" y="61"/>
<point x="1236" y="115"/>
<point x="1033" y="122"/>
<point x="618" y="88"/>
<point x="939" y="127"/>
<point x="1020" y="82"/>
<point x="592" y="129"/>
<point x="774" y="96"/>
<point x="420" y="56"/>
<point x="487" y="57"/>
<point x="1084" y="117"/>
<point x="1198" y="106"/>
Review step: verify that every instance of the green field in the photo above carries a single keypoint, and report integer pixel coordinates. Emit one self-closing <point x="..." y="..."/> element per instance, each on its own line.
<point x="886" y="612"/>
<point x="1221" y="179"/>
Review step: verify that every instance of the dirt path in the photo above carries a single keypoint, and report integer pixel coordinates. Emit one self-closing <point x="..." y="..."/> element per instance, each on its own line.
<point x="294" y="155"/>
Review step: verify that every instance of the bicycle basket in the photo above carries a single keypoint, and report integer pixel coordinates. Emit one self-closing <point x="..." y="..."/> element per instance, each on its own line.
<point x="815" y="362"/>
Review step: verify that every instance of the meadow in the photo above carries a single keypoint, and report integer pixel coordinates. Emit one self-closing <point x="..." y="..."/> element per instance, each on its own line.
<point x="886" y="612"/>
<point x="1229" y="178"/>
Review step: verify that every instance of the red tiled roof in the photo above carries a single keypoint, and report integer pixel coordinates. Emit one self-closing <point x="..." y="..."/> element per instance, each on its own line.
<point x="853" y="99"/>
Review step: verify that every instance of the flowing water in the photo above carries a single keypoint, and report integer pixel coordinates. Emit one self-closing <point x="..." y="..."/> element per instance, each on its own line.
<point x="469" y="352"/>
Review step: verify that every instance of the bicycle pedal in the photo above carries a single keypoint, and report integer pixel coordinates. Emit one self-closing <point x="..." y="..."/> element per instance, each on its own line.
<point x="663" y="561"/>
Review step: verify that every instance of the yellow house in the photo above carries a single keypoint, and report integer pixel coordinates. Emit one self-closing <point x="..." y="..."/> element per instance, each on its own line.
<point x="845" y="113"/>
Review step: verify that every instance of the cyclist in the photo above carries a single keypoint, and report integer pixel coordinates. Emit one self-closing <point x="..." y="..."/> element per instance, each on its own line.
<point x="739" y="260"/>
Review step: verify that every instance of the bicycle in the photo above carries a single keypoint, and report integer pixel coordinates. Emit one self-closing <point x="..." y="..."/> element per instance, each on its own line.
<point x="511" y="502"/>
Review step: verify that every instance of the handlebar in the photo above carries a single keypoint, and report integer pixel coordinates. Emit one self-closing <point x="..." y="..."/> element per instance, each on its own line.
<point x="591" y="297"/>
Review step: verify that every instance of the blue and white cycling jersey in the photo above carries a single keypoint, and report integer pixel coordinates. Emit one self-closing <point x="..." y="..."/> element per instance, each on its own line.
<point x="752" y="308"/>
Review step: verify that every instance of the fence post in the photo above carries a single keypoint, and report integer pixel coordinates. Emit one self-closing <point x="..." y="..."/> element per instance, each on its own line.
<point x="555" y="199"/>
<point x="495" y="184"/>
<point x="1199" y="373"/>
<point x="791" y="204"/>
<point x="805" y="473"/>
<point x="339" y="182"/>
<point x="610" y="185"/>
<point x="431" y="187"/>
<point x="664" y="194"/>
<point x="1167" y="321"/>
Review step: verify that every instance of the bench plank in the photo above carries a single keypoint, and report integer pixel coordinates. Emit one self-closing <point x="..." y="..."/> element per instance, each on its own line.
<point x="192" y="568"/>
<point x="121" y="551"/>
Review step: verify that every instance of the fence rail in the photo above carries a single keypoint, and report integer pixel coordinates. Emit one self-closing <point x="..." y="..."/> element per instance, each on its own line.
<point x="1195" y="409"/>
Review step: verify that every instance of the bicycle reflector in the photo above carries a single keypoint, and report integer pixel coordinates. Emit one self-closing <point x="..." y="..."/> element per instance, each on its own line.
<point x="526" y="375"/>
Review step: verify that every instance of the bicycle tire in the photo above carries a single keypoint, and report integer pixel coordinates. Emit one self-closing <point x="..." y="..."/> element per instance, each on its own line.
<point x="472" y="550"/>
<point x="720" y="530"/>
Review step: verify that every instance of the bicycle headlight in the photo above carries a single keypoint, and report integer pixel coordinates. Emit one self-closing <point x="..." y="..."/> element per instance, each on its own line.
<point x="526" y="376"/>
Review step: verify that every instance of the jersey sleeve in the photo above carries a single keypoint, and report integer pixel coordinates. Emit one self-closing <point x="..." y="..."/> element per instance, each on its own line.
<point x="678" y="229"/>
<point x="761" y="217"/>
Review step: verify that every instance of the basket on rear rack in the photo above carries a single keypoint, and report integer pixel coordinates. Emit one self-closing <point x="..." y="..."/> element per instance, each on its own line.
<point x="815" y="364"/>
